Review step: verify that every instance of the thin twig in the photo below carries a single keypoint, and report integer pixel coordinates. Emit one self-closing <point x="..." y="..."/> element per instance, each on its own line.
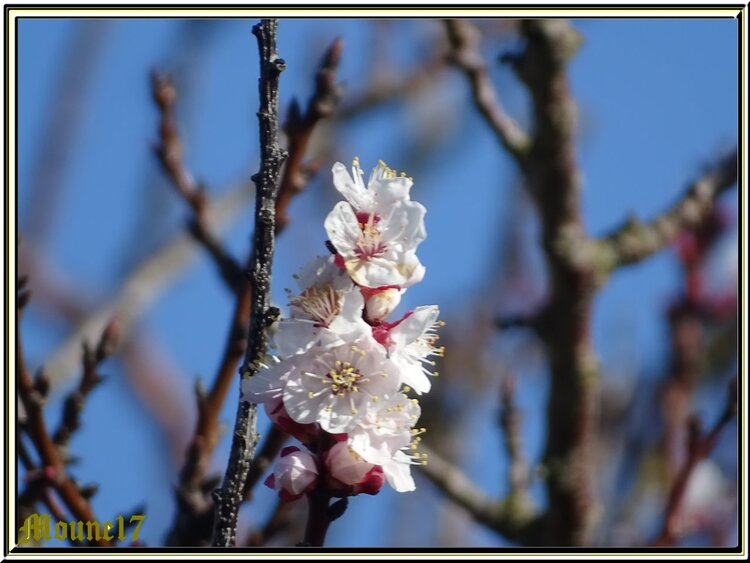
<point x="464" y="41"/>
<point x="37" y="489"/>
<point x="699" y="447"/>
<point x="74" y="403"/>
<point x="244" y="437"/>
<point x="169" y="152"/>
<point x="35" y="426"/>
<point x="299" y="128"/>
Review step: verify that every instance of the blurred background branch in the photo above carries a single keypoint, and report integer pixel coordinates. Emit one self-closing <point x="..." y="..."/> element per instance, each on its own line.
<point x="610" y="461"/>
<point x="576" y="268"/>
<point x="51" y="473"/>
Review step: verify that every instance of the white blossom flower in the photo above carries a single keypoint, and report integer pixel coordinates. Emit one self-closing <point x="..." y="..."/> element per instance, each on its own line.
<point x="326" y="312"/>
<point x="331" y="386"/>
<point x="382" y="433"/>
<point x="377" y="229"/>
<point x="340" y="370"/>
<point x="384" y="187"/>
<point x="410" y="343"/>
<point x="294" y="474"/>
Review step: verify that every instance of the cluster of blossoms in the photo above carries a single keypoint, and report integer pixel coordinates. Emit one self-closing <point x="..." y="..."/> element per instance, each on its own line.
<point x="340" y="371"/>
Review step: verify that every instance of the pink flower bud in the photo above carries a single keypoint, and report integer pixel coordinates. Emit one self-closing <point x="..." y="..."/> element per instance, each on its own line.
<point x="294" y="474"/>
<point x="372" y="482"/>
<point x="348" y="474"/>
<point x="382" y="304"/>
<point x="305" y="433"/>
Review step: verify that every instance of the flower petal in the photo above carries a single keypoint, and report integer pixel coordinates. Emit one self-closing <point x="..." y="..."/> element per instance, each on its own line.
<point x="294" y="336"/>
<point x="374" y="272"/>
<point x="266" y="384"/>
<point x="412" y="269"/>
<point x="414" y="326"/>
<point x="351" y="187"/>
<point x="398" y="473"/>
<point x="405" y="228"/>
<point x="300" y="406"/>
<point x="349" y="324"/>
<point x="343" y="228"/>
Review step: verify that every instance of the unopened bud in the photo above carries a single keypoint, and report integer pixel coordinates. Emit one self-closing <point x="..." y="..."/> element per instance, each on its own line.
<point x="382" y="304"/>
<point x="294" y="474"/>
<point x="349" y="474"/>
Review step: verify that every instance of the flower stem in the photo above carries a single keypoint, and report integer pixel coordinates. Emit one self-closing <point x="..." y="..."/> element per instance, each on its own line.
<point x="318" y="518"/>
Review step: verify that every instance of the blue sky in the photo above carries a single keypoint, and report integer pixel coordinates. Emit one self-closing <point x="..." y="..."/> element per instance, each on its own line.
<point x="658" y="101"/>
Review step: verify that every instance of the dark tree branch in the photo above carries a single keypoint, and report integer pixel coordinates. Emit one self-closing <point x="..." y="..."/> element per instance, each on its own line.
<point x="245" y="437"/>
<point x="699" y="447"/>
<point x="464" y="42"/>
<point x="635" y="240"/>
<point x="35" y="427"/>
<point x="553" y="180"/>
<point x="169" y="152"/>
<point x="194" y="517"/>
<point x="511" y="519"/>
<point x="548" y="162"/>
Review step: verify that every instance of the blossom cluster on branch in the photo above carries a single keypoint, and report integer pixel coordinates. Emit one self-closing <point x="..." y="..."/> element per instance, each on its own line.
<point x="340" y="375"/>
